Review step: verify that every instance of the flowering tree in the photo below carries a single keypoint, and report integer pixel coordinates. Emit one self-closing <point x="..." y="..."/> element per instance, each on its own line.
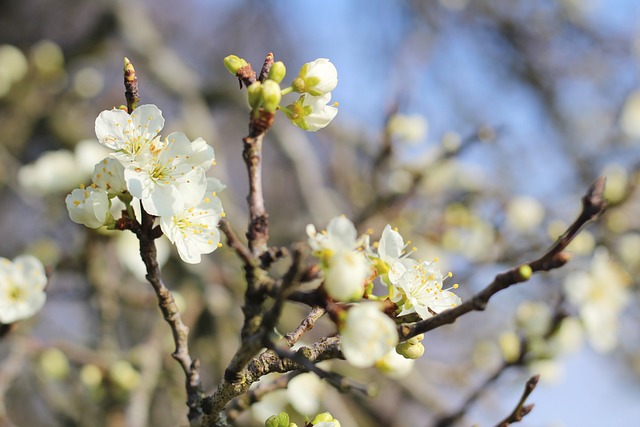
<point x="381" y="299"/>
<point x="300" y="301"/>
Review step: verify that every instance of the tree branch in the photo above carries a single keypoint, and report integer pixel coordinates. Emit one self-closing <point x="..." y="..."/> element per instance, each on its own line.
<point x="520" y="411"/>
<point x="593" y="206"/>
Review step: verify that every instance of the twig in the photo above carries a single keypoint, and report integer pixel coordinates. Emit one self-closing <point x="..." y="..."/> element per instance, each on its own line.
<point x="520" y="411"/>
<point x="234" y="242"/>
<point x="171" y="315"/>
<point x="146" y="235"/>
<point x="593" y="206"/>
<point x="308" y="323"/>
<point x="252" y="334"/>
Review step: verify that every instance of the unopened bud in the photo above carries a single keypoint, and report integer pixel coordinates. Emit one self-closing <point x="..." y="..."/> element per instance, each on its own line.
<point x="277" y="72"/>
<point x="525" y="271"/>
<point x="409" y="350"/>
<point x="233" y="64"/>
<point x="271" y="95"/>
<point x="255" y="95"/>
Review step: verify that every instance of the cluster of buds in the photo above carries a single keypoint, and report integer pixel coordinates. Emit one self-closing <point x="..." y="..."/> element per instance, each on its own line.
<point x="315" y="81"/>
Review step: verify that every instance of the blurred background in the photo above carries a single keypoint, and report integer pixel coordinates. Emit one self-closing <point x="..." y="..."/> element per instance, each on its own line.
<point x="472" y="126"/>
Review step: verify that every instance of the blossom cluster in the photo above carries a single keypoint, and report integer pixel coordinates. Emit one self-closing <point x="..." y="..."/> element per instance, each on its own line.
<point x="315" y="82"/>
<point x="167" y="175"/>
<point x="351" y="263"/>
<point x="22" y="283"/>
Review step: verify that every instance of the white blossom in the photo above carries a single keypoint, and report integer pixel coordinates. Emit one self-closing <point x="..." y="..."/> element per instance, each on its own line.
<point x="346" y="275"/>
<point x="367" y="335"/>
<point x="54" y="171"/>
<point x="600" y="294"/>
<point x="419" y="290"/>
<point x="22" y="284"/>
<point x="89" y="206"/>
<point x="194" y="231"/>
<point x="129" y="134"/>
<point x="317" y="77"/>
<point x="394" y="365"/>
<point x="109" y="175"/>
<point x="345" y="266"/>
<point x="172" y="176"/>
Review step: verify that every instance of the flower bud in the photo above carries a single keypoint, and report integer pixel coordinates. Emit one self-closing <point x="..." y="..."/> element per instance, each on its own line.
<point x="280" y="420"/>
<point x="316" y="78"/>
<point x="255" y="95"/>
<point x="325" y="417"/>
<point x="409" y="350"/>
<point x="271" y="95"/>
<point x="233" y="64"/>
<point x="277" y="72"/>
<point x="89" y="206"/>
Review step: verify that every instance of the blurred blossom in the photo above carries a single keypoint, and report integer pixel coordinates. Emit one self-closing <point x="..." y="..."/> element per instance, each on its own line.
<point x="551" y="371"/>
<point x="617" y="181"/>
<point x="47" y="57"/>
<point x="524" y="213"/>
<point x="629" y="249"/>
<point x="394" y="365"/>
<point x="13" y="67"/>
<point x="345" y="267"/>
<point x="367" y="334"/>
<point x="451" y="141"/>
<point x="88" y="153"/>
<point x="474" y="242"/>
<point x="53" y="172"/>
<point x="91" y="376"/>
<point x="22" y="283"/>
<point x="534" y="318"/>
<point x="408" y="128"/>
<point x="486" y="356"/>
<point x="617" y="221"/>
<point x="124" y="375"/>
<point x="88" y="82"/>
<point x="569" y="335"/>
<point x="400" y="181"/>
<point x="583" y="243"/>
<point x="128" y="253"/>
<point x="600" y="295"/>
<point x="304" y="392"/>
<point x="630" y="118"/>
<point x="54" y="364"/>
<point x="61" y="170"/>
<point x="13" y="63"/>
<point x="509" y="343"/>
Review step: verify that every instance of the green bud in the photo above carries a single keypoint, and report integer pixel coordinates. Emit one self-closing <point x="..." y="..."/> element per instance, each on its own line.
<point x="233" y="64"/>
<point x="525" y="271"/>
<point x="416" y="339"/>
<point x="255" y="95"/>
<point x="409" y="350"/>
<point x="271" y="95"/>
<point x="325" y="417"/>
<point x="277" y="72"/>
<point x="280" y="420"/>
